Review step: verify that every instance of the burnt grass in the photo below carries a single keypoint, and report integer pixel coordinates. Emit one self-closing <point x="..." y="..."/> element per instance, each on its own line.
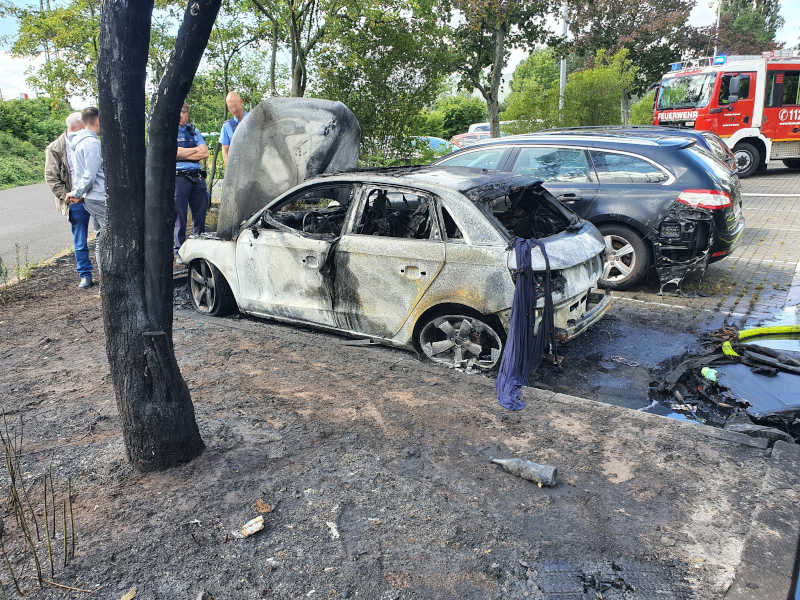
<point x="374" y="465"/>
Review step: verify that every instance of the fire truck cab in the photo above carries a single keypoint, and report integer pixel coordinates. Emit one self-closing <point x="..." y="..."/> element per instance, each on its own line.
<point x="751" y="102"/>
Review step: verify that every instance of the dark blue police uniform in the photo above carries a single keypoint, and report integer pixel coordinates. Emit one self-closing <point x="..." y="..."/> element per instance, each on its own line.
<point x="190" y="187"/>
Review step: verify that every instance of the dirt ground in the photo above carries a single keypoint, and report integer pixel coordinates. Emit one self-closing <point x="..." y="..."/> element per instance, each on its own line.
<point x="375" y="468"/>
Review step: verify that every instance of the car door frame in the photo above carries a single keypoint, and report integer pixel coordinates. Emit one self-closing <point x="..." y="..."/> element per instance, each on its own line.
<point x="268" y="291"/>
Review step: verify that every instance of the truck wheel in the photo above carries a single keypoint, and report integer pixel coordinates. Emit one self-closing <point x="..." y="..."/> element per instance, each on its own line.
<point x="792" y="163"/>
<point x="748" y="159"/>
<point x="627" y="257"/>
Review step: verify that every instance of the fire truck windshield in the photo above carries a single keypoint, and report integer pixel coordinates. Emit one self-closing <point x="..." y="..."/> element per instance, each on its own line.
<point x="686" y="91"/>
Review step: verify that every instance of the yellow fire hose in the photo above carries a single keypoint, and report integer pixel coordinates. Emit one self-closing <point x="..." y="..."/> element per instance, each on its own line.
<point x="746" y="334"/>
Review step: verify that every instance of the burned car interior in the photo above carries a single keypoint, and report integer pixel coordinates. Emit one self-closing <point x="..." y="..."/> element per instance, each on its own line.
<point x="397" y="213"/>
<point x="528" y="212"/>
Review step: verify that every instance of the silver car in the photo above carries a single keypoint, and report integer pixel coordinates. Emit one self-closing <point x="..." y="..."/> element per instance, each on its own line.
<point x="408" y="257"/>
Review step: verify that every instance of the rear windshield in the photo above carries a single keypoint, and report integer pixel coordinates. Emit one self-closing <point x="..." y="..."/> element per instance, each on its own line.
<point x="712" y="164"/>
<point x="529" y="212"/>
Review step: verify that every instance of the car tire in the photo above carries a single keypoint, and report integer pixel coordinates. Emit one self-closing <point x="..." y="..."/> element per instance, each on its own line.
<point x="748" y="159"/>
<point x="462" y="338"/>
<point x="627" y="257"/>
<point x="792" y="163"/>
<point x="210" y="293"/>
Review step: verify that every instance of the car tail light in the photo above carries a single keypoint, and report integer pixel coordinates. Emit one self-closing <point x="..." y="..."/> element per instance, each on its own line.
<point x="711" y="199"/>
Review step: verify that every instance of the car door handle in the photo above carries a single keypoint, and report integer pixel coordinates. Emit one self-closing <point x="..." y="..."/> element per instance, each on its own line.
<point x="312" y="262"/>
<point x="412" y="272"/>
<point x="568" y="197"/>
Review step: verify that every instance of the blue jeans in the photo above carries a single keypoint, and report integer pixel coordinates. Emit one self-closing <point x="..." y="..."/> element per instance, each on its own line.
<point x="190" y="192"/>
<point x="79" y="219"/>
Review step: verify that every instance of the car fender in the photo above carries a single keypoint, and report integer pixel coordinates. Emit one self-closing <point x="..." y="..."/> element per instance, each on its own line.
<point x="220" y="253"/>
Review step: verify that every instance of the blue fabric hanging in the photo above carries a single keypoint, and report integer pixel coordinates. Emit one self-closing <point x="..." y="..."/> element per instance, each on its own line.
<point x="524" y="348"/>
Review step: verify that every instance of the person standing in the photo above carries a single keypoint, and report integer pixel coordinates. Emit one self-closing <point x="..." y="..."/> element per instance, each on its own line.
<point x="190" y="184"/>
<point x="59" y="173"/>
<point x="89" y="183"/>
<point x="236" y="107"/>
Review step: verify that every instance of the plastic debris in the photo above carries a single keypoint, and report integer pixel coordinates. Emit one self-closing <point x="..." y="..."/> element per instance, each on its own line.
<point x="249" y="528"/>
<point x="709" y="373"/>
<point x="130" y="594"/>
<point x="541" y="474"/>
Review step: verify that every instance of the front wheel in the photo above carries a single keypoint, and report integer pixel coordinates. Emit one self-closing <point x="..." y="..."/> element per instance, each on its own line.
<point x="210" y="293"/>
<point x="627" y="257"/>
<point x="792" y="163"/>
<point x="461" y="341"/>
<point x="748" y="159"/>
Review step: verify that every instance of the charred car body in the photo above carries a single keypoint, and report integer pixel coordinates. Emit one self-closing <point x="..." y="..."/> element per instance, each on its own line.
<point x="659" y="200"/>
<point x="410" y="256"/>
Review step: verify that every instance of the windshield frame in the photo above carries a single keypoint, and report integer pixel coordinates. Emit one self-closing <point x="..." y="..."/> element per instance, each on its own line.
<point x="704" y="79"/>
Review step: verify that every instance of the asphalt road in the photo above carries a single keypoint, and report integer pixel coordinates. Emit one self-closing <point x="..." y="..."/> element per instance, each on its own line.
<point x="30" y="221"/>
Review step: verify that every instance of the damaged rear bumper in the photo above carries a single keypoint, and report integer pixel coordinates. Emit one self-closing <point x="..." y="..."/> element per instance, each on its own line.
<point x="591" y="307"/>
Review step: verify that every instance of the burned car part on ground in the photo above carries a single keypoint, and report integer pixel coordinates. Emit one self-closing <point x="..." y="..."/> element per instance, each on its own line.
<point x="741" y="386"/>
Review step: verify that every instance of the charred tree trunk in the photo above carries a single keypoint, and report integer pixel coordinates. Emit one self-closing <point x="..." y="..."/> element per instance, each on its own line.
<point x="156" y="411"/>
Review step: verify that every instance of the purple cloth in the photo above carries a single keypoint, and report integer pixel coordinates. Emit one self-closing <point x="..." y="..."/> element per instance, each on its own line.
<point x="524" y="348"/>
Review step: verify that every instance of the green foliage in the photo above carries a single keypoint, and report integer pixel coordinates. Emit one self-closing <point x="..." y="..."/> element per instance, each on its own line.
<point x="385" y="62"/>
<point x="642" y="110"/>
<point x="747" y="27"/>
<point x="450" y="115"/>
<point x="592" y="96"/>
<point x="26" y="127"/>
<point x="66" y="35"/>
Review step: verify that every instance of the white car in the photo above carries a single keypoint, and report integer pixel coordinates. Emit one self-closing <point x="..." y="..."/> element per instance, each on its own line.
<point x="416" y="256"/>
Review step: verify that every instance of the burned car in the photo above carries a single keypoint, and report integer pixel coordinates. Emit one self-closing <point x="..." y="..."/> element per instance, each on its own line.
<point x="411" y="256"/>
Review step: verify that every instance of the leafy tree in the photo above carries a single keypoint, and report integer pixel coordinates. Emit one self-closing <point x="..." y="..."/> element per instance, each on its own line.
<point x="486" y="32"/>
<point x="747" y="27"/>
<point x="592" y="96"/>
<point x="642" y="110"/>
<point x="156" y="411"/>
<point x="385" y="62"/>
<point x="450" y="115"/>
<point x="67" y="37"/>
<point x="655" y="32"/>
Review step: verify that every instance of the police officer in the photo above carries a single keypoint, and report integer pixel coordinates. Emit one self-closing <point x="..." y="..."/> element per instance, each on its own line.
<point x="236" y="106"/>
<point x="190" y="184"/>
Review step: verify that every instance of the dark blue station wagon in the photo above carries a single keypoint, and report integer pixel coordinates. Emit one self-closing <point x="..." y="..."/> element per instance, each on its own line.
<point x="660" y="202"/>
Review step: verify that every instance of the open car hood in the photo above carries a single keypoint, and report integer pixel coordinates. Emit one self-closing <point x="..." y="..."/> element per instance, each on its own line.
<point x="282" y="142"/>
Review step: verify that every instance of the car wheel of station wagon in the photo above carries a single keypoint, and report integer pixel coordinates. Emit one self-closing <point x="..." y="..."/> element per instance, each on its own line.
<point x="209" y="290"/>
<point x="626" y="257"/>
<point x="748" y="159"/>
<point x="792" y="163"/>
<point x="461" y="341"/>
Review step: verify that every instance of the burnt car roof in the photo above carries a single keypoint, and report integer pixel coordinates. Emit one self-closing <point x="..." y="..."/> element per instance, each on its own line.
<point x="466" y="180"/>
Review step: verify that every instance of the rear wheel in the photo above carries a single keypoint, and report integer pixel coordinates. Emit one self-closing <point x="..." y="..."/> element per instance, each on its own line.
<point x="627" y="257"/>
<point x="210" y="293"/>
<point x="748" y="159"/>
<point x="461" y="340"/>
<point x="792" y="163"/>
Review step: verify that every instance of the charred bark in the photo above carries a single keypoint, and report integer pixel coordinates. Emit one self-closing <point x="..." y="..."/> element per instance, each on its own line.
<point x="156" y="411"/>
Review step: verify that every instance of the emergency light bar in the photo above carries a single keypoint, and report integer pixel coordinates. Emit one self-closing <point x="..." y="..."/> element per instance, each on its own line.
<point x="719" y="60"/>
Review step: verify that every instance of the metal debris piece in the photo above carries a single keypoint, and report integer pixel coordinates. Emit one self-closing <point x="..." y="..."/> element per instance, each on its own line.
<point x="541" y="474"/>
<point x="624" y="361"/>
<point x="249" y="528"/>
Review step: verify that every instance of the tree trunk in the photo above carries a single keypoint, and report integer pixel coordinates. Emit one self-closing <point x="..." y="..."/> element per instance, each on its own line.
<point x="624" y="108"/>
<point x="492" y="99"/>
<point x="273" y="58"/>
<point x="156" y="411"/>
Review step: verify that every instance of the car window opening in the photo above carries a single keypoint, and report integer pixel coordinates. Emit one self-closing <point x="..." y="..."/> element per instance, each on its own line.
<point x="450" y="227"/>
<point x="529" y="213"/>
<point x="319" y="212"/>
<point x="399" y="214"/>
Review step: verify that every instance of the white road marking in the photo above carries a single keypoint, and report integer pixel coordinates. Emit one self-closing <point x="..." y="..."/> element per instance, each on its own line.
<point x="769" y="195"/>
<point x="680" y="306"/>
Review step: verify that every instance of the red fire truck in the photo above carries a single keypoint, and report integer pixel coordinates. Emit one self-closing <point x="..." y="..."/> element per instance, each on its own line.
<point x="751" y="102"/>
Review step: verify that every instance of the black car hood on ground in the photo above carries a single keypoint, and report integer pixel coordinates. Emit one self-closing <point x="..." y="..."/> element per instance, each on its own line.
<point x="282" y="142"/>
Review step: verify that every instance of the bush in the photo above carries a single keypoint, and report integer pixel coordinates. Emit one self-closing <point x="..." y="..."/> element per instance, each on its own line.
<point x="642" y="111"/>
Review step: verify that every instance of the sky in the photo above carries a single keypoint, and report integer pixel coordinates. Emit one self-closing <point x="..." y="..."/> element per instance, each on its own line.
<point x="12" y="72"/>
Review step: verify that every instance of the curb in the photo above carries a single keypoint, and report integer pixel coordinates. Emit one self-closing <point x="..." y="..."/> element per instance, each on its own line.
<point x="767" y="566"/>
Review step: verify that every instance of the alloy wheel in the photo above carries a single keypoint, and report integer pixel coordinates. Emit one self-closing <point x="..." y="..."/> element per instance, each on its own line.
<point x="203" y="286"/>
<point x="461" y="341"/>
<point x="620" y="259"/>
